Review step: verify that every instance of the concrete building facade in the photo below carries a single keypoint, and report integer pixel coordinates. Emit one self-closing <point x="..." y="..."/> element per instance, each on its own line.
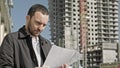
<point x="65" y="22"/>
<point x="5" y="18"/>
<point x="107" y="53"/>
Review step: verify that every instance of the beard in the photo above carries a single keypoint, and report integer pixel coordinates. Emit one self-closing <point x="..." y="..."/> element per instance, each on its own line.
<point x="29" y="29"/>
<point x="34" y="33"/>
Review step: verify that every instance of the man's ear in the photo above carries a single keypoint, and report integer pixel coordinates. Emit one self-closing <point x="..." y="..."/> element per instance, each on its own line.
<point x="27" y="18"/>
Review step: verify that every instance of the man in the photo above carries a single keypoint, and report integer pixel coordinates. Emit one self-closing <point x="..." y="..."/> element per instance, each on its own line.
<point x="26" y="48"/>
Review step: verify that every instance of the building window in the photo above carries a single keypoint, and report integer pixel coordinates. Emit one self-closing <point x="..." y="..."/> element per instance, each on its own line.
<point x="74" y="14"/>
<point x="74" y="23"/>
<point x="94" y="3"/>
<point x="60" y="1"/>
<point x="74" y="28"/>
<point x="2" y="20"/>
<point x="91" y="7"/>
<point x="89" y="42"/>
<point x="74" y="10"/>
<point x="74" y="18"/>
<point x="91" y="11"/>
<point x="73" y="0"/>
<point x="73" y="5"/>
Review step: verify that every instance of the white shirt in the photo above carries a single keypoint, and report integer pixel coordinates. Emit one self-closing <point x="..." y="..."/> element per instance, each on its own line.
<point x="36" y="47"/>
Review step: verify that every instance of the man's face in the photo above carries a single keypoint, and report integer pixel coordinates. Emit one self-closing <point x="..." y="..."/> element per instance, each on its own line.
<point x="37" y="23"/>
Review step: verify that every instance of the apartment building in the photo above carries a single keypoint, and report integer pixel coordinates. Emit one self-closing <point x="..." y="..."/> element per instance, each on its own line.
<point x="102" y="28"/>
<point x="5" y="18"/>
<point x="103" y="21"/>
<point x="65" y="22"/>
<point x="78" y="24"/>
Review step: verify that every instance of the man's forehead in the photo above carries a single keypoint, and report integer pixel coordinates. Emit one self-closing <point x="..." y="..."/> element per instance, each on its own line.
<point x="41" y="17"/>
<point x="39" y="14"/>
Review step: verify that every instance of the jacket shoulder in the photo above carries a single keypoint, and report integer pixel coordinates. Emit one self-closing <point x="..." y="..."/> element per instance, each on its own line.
<point x="12" y="35"/>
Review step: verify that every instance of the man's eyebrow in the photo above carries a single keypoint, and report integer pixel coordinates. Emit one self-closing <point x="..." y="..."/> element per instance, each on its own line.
<point x="37" y="21"/>
<point x="40" y="23"/>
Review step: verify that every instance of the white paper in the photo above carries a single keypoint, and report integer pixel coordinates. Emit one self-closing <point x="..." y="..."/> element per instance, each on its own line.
<point x="41" y="67"/>
<point x="58" y="56"/>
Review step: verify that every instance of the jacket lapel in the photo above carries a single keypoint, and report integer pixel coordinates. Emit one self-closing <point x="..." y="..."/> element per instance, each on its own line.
<point x="45" y="46"/>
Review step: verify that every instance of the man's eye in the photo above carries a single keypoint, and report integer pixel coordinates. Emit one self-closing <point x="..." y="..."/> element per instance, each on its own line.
<point x="38" y="23"/>
<point x="44" y="25"/>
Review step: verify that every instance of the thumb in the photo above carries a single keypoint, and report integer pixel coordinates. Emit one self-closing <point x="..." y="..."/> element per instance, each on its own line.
<point x="65" y="66"/>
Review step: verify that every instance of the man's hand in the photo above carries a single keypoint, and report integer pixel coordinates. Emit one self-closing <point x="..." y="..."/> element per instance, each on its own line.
<point x="65" y="66"/>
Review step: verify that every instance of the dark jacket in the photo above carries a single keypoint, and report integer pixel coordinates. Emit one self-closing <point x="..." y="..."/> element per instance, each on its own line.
<point x="16" y="50"/>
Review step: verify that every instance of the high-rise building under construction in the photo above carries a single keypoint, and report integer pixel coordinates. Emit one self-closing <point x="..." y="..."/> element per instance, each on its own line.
<point x="78" y="24"/>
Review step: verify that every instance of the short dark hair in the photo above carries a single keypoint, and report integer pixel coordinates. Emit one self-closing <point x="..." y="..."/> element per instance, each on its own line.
<point x="37" y="7"/>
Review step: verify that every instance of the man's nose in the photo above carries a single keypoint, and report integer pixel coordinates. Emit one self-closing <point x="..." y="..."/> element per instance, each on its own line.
<point x="41" y="27"/>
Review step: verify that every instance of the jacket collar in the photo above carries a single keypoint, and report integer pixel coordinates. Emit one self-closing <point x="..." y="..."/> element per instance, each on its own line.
<point x="22" y="33"/>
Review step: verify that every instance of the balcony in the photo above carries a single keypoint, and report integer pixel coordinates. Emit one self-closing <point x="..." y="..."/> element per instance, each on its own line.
<point x="114" y="3"/>
<point x="113" y="12"/>
<point x="68" y="1"/>
<point x="68" y="5"/>
<point x="113" y="16"/>
<point x="67" y="9"/>
<point x="115" y="7"/>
